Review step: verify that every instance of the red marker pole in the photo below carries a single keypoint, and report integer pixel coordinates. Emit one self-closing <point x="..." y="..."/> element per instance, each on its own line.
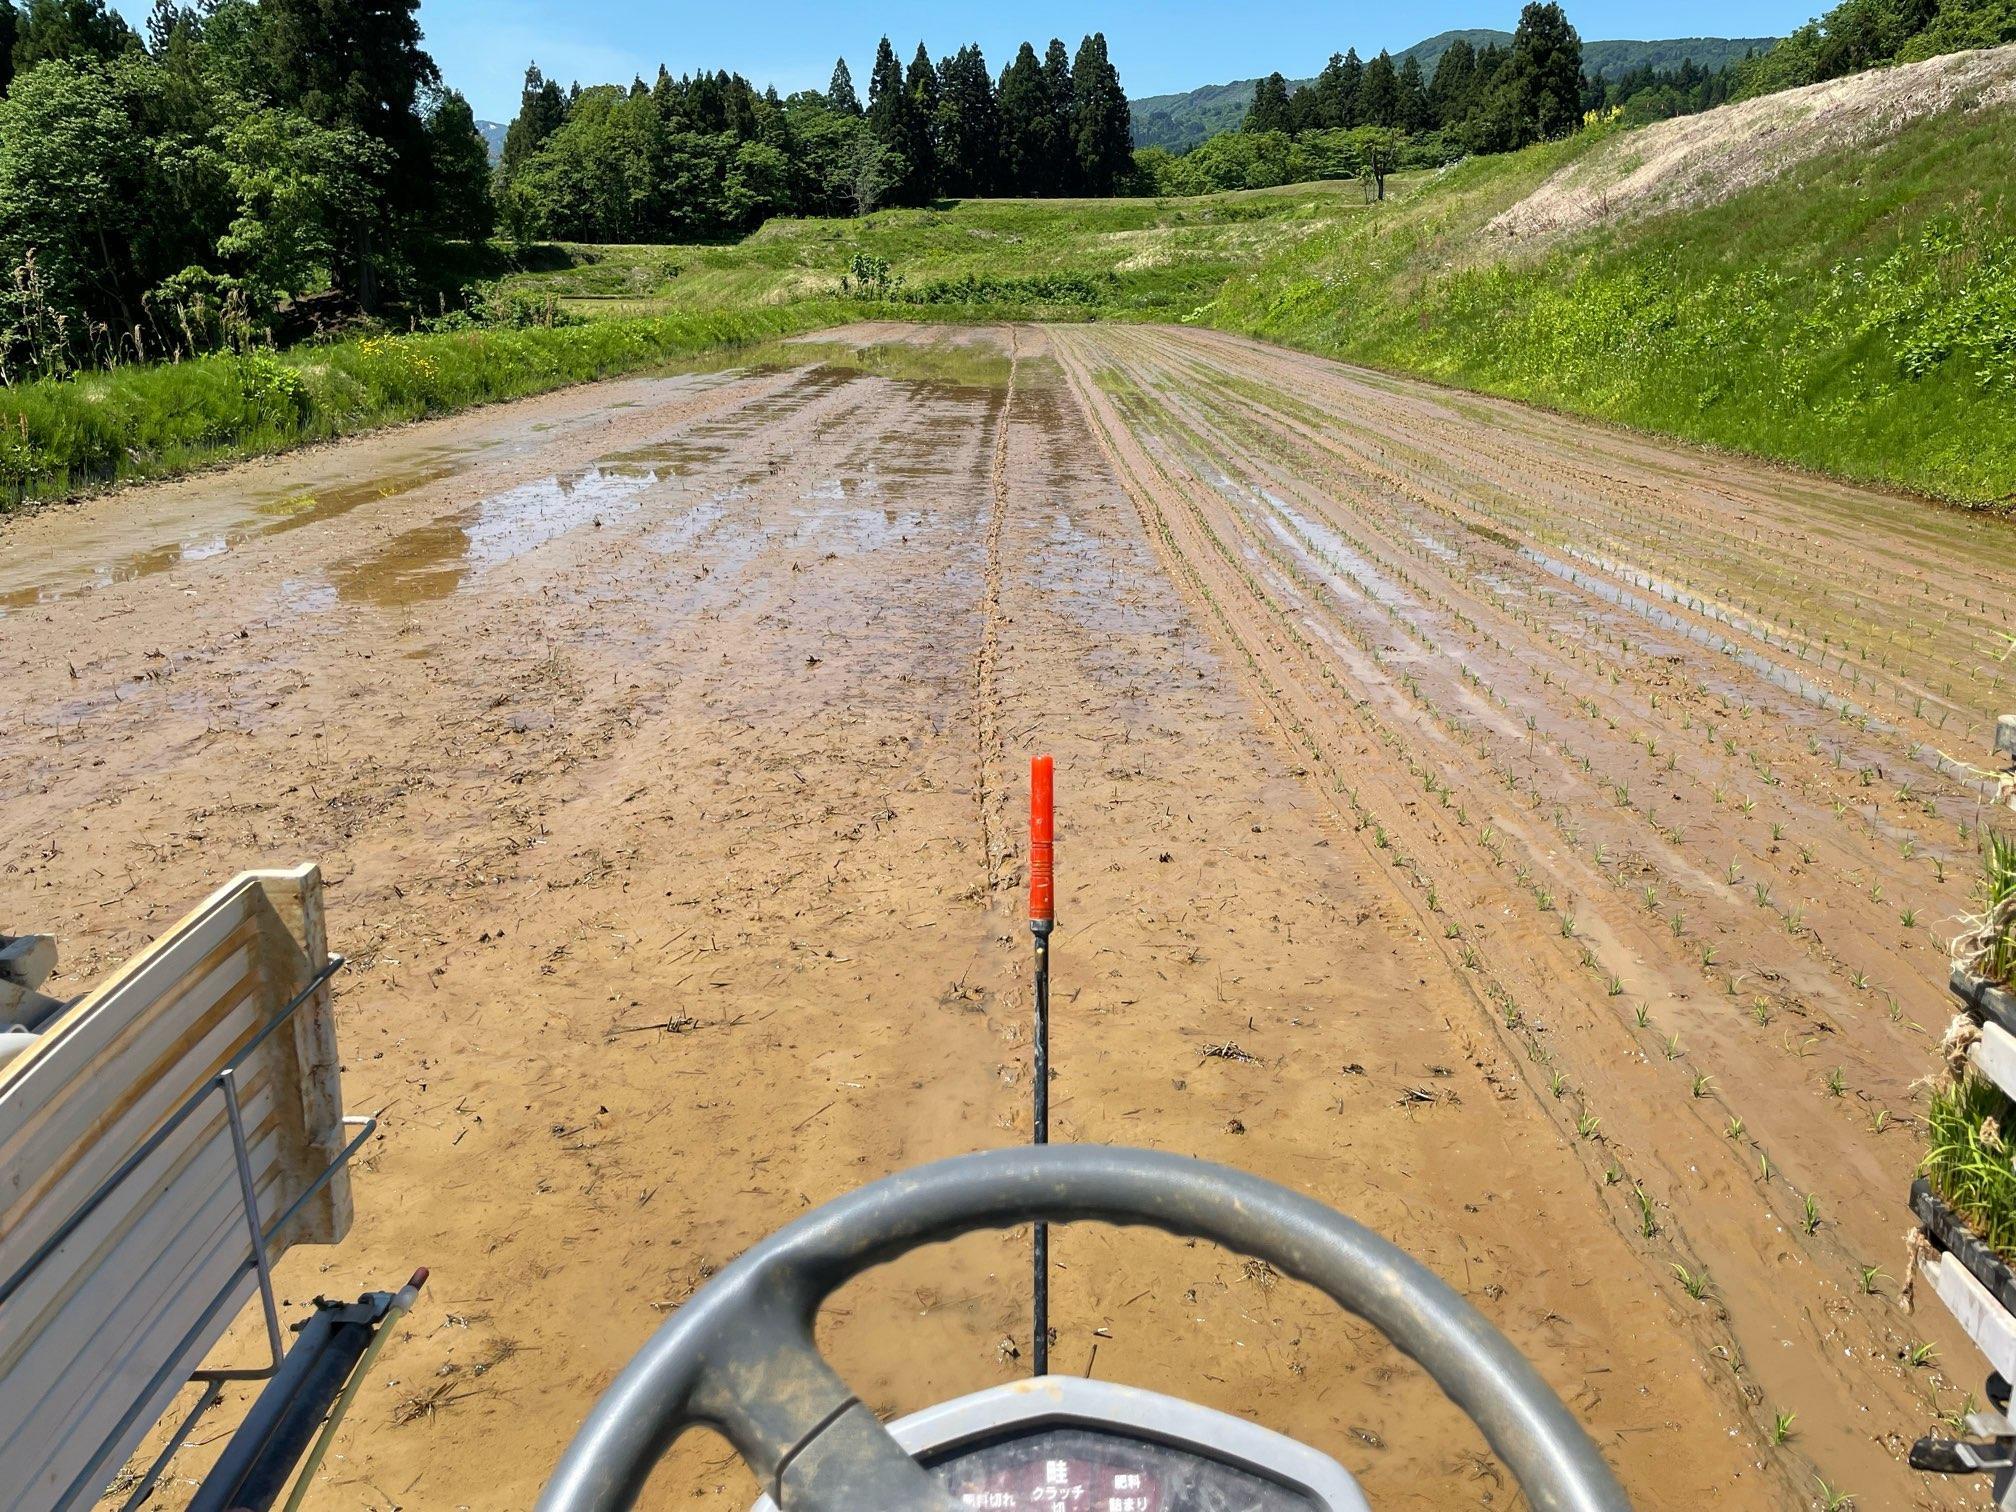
<point x="1042" y="919"/>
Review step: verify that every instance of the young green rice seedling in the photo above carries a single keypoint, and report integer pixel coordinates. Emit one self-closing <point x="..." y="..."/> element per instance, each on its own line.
<point x="1832" y="1500"/>
<point x="1760" y="1010"/>
<point x="1777" y="832"/>
<point x="1835" y="1085"/>
<point x="1810" y="1218"/>
<point x="1557" y="1083"/>
<point x="1868" y="1276"/>
<point x="1920" y="1354"/>
<point x="1694" y="1283"/>
<point x="1641" y="1015"/>
<point x="1673" y="1047"/>
<point x="1781" y="1426"/>
<point x="1763" y="1167"/>
<point x="1795" y="920"/>
<point x="1567" y="926"/>
<point x="1707" y="956"/>
<point x="1678" y="923"/>
<point x="1545" y="899"/>
<point x="1648" y="1218"/>
<point x="1879" y="1120"/>
<point x="1908" y="918"/>
<point x="1762" y="892"/>
<point x="1586" y="1125"/>
<point x="1650" y="897"/>
<point x="1702" y="1083"/>
<point x="1615" y="986"/>
<point x="1859" y="980"/>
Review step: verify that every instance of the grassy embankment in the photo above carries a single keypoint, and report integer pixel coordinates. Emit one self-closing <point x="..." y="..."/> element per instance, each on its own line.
<point x="157" y="420"/>
<point x="1857" y="316"/>
<point x="654" y="305"/>
<point x="1036" y="259"/>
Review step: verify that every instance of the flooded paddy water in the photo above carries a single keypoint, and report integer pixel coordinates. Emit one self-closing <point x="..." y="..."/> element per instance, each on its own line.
<point x="1559" y="825"/>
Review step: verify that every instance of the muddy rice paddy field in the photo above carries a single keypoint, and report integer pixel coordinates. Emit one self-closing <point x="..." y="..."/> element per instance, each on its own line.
<point x="1533" y="840"/>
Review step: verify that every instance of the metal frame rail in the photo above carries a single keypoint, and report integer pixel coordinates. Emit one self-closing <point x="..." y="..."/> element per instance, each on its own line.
<point x="257" y="1260"/>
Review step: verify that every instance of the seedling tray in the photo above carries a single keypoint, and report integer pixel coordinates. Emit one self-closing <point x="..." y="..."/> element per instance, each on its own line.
<point x="1992" y="1004"/>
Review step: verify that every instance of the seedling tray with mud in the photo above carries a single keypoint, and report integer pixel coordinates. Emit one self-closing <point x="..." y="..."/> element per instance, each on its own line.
<point x="1986" y="1001"/>
<point x="1950" y="1235"/>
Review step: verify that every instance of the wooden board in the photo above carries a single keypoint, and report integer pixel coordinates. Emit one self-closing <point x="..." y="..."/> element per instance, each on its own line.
<point x="102" y="1333"/>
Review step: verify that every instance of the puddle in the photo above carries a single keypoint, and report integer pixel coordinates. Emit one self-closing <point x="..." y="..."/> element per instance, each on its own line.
<point x="1343" y="558"/>
<point x="233" y="518"/>
<point x="196" y="521"/>
<point x="1781" y="677"/>
<point x="860" y="528"/>
<point x="697" y="522"/>
<point x="433" y="560"/>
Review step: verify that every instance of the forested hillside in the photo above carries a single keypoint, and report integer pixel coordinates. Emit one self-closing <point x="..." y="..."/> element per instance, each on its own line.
<point x="1180" y="121"/>
<point x="166" y="195"/>
<point x="708" y="154"/>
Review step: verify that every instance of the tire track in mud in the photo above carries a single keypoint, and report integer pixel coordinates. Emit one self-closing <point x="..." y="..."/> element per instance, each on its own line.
<point x="1703" y="1203"/>
<point x="996" y="846"/>
<point x="1883" y="1067"/>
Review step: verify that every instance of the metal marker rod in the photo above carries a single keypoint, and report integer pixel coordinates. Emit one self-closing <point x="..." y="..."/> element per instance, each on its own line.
<point x="1042" y="920"/>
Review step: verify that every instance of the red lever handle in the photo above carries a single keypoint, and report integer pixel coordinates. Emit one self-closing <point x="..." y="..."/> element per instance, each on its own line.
<point x="1042" y="835"/>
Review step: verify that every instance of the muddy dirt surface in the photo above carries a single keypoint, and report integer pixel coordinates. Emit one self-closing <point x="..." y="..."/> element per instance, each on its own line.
<point x="1528" y="839"/>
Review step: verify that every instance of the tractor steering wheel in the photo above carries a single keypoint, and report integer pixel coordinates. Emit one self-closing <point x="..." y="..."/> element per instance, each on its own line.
<point x="739" y="1356"/>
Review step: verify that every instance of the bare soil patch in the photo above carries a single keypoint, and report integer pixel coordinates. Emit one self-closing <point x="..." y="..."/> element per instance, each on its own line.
<point x="662" y="743"/>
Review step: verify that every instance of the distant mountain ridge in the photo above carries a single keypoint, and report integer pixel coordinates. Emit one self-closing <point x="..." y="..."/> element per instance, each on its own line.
<point x="492" y="133"/>
<point x="1178" y="121"/>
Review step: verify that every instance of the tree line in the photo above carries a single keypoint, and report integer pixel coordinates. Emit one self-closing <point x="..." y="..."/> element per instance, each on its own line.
<point x="705" y="155"/>
<point x="1860" y="34"/>
<point x="1496" y="100"/>
<point x="1364" y="120"/>
<point x="162" y="194"/>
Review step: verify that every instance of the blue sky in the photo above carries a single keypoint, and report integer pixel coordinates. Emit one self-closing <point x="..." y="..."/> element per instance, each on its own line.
<point x="483" y="45"/>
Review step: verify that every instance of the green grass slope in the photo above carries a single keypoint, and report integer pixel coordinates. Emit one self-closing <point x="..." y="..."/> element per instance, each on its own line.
<point x="58" y="439"/>
<point x="1035" y="259"/>
<point x="1856" y="316"/>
